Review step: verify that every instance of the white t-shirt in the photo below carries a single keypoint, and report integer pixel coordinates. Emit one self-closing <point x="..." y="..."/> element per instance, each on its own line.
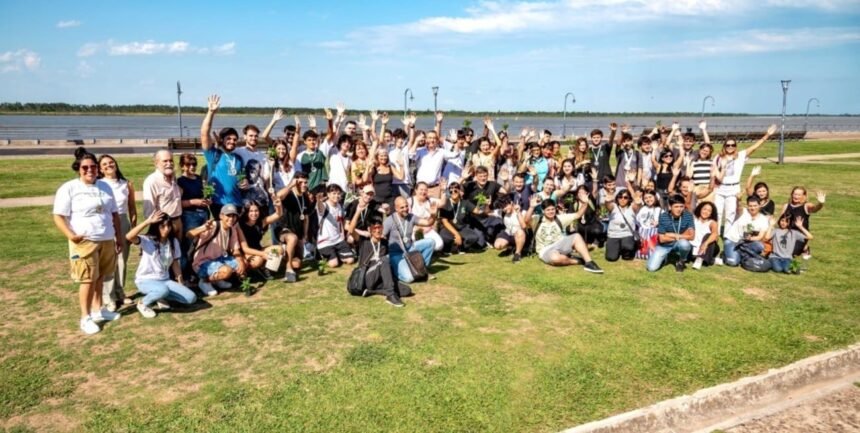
<point x="155" y="259"/>
<point x="400" y="158"/>
<point x="732" y="177"/>
<point x="283" y="178"/>
<point x="648" y="217"/>
<point x="736" y="231"/>
<point x="338" y="168"/>
<point x="512" y="223"/>
<point x="88" y="208"/>
<point x="120" y="193"/>
<point x="331" y="227"/>
<point x="429" y="165"/>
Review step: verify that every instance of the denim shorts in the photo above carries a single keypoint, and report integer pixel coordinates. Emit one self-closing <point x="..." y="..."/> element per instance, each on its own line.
<point x="207" y="269"/>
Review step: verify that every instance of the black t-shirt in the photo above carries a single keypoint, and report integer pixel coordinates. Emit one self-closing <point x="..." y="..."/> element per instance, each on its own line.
<point x="371" y="211"/>
<point x="459" y="214"/>
<point x="294" y="207"/>
<point x="522" y="197"/>
<point x="191" y="189"/>
<point x="472" y="189"/>
<point x="600" y="158"/>
<point x="253" y="234"/>
<point x="365" y="250"/>
<point x="767" y="209"/>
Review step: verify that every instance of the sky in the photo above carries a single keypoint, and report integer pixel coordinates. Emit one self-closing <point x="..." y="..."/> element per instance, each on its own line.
<point x="612" y="55"/>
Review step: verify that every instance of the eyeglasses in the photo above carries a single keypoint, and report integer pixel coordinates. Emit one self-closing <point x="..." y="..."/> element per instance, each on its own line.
<point x="623" y="197"/>
<point x="369" y="193"/>
<point x="453" y="189"/>
<point x="89" y="167"/>
<point x="731" y="145"/>
<point x="191" y="164"/>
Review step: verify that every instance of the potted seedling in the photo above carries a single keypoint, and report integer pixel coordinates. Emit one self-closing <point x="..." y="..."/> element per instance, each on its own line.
<point x="467" y="123"/>
<point x="481" y="200"/>
<point x="505" y="127"/>
<point x="246" y="286"/>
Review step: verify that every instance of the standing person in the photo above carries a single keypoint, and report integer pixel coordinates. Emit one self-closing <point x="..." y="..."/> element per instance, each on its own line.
<point x="340" y="164"/>
<point x="123" y="193"/>
<point x="799" y="206"/>
<point x="159" y="252"/>
<point x="629" y="168"/>
<point x="399" y="155"/>
<point x="705" y="248"/>
<point x="195" y="208"/>
<point x="728" y="168"/>
<point x="760" y="190"/>
<point x="622" y="226"/>
<point x="648" y="218"/>
<point x="223" y="166"/>
<point x="429" y="160"/>
<point x="749" y="229"/>
<point x="161" y="192"/>
<point x="218" y="255"/>
<point x="283" y="169"/>
<point x="423" y="207"/>
<point x="381" y="174"/>
<point x="398" y="228"/>
<point x="292" y="229"/>
<point x="601" y="151"/>
<point x="331" y="242"/>
<point x="553" y="245"/>
<point x="645" y="152"/>
<point x="85" y="212"/>
<point x="784" y="238"/>
<point x="676" y="229"/>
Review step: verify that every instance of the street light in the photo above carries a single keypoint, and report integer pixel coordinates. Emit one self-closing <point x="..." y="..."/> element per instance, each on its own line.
<point x="435" y="94"/>
<point x="179" y="106"/>
<point x="703" y="104"/>
<point x="564" y="121"/>
<point x="410" y="98"/>
<point x="785" y="84"/>
<point x="806" y="118"/>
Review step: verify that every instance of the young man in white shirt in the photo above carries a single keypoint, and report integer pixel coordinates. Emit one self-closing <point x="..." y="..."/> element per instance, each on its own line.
<point x="331" y="243"/>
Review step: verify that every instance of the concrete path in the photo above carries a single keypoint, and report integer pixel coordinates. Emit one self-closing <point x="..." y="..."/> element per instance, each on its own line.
<point x="45" y="200"/>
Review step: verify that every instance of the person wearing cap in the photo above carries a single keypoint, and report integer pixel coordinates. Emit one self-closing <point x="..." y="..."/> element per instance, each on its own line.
<point x="224" y="168"/>
<point x="675" y="231"/>
<point x="331" y="243"/>
<point x="218" y="254"/>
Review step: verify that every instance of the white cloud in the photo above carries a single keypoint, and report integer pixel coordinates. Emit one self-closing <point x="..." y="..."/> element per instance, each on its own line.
<point x="151" y="47"/>
<point x="16" y="61"/>
<point x="68" y="24"/>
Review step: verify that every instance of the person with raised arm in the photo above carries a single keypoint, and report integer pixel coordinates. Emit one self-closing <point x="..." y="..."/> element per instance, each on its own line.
<point x="799" y="206"/>
<point x="760" y="190"/>
<point x="85" y="212"/>
<point x="223" y="167"/>
<point x="513" y="236"/>
<point x="675" y="231"/>
<point x="398" y="154"/>
<point x="728" y="169"/>
<point x="784" y="238"/>
<point x="159" y="253"/>
<point x="552" y="245"/>
<point x="431" y="158"/>
<point x="312" y="160"/>
<point x="601" y="151"/>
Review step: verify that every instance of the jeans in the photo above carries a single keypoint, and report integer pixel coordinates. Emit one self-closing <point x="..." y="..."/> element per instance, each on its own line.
<point x="779" y="264"/>
<point x="155" y="290"/>
<point x="733" y="256"/>
<point x="398" y="260"/>
<point x="682" y="248"/>
<point x="191" y="219"/>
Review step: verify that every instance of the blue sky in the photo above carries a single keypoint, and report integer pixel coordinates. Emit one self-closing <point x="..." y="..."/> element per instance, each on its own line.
<point x="614" y="55"/>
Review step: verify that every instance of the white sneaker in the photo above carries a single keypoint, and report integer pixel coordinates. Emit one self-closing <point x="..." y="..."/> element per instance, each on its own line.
<point x="162" y="304"/>
<point x="718" y="261"/>
<point x="698" y="263"/>
<point x="88" y="326"/>
<point x="806" y="256"/>
<point x="207" y="289"/>
<point x="223" y="284"/>
<point x="145" y="311"/>
<point x="104" y="315"/>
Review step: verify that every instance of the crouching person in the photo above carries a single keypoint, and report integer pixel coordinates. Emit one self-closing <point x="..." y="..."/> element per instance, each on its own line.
<point x="159" y="253"/>
<point x="398" y="229"/>
<point x="218" y="253"/>
<point x="675" y="231"/>
<point x="553" y="246"/>
<point x="378" y="276"/>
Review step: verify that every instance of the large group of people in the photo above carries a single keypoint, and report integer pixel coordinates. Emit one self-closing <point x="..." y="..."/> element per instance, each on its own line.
<point x="390" y="200"/>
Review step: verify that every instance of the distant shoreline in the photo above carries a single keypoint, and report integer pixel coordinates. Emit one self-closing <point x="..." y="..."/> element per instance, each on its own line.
<point x="579" y="114"/>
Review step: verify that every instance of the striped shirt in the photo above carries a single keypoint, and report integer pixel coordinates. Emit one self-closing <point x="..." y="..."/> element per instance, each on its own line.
<point x="669" y="224"/>
<point x="702" y="172"/>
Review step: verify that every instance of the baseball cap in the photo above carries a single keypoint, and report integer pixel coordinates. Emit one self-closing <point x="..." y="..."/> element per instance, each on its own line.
<point x="229" y="209"/>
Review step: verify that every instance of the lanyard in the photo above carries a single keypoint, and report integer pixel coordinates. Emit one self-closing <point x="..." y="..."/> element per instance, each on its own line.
<point x="677" y="229"/>
<point x="376" y="247"/>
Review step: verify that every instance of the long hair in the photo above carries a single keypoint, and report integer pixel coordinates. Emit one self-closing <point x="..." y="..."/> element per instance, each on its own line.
<point x="116" y="164"/>
<point x="153" y="233"/>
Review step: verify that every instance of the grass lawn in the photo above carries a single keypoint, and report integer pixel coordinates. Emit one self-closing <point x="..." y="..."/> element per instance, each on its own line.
<point x="484" y="347"/>
<point x="42" y="176"/>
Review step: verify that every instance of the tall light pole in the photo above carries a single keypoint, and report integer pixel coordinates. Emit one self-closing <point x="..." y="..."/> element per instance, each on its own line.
<point x="564" y="115"/>
<point x="806" y="118"/>
<point x="179" y="105"/>
<point x="703" y="104"/>
<point x="435" y="94"/>
<point x="405" y="103"/>
<point x="785" y="84"/>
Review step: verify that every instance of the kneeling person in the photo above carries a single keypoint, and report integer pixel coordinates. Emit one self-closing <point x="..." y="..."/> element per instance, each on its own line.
<point x="331" y="242"/>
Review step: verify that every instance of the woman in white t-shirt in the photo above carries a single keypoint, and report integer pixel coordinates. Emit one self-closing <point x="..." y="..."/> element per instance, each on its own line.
<point x="123" y="193"/>
<point x="159" y="253"/>
<point x="85" y="212"/>
<point x="423" y="206"/>
<point x="728" y="168"/>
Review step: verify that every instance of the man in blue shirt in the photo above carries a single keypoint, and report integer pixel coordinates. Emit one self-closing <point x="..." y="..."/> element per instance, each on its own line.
<point x="676" y="229"/>
<point x="223" y="167"/>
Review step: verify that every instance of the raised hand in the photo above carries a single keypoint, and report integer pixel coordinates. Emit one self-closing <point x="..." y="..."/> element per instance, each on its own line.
<point x="214" y="103"/>
<point x="532" y="133"/>
<point x="384" y="118"/>
<point x="771" y="130"/>
<point x="675" y="126"/>
<point x="439" y="116"/>
<point x="155" y="216"/>
<point x="341" y="109"/>
<point x="524" y="133"/>
<point x="625" y="128"/>
<point x="412" y="119"/>
<point x="756" y="171"/>
<point x="637" y="195"/>
<point x="328" y="114"/>
<point x="374" y="115"/>
<point x="613" y="126"/>
<point x="362" y="122"/>
<point x="279" y="115"/>
<point x="798" y="221"/>
<point x="542" y="136"/>
<point x="297" y="121"/>
<point x="821" y="196"/>
<point x="452" y="135"/>
<point x="703" y="125"/>
<point x="312" y="121"/>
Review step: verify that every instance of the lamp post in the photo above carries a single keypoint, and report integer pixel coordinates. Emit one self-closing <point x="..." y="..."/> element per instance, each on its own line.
<point x="435" y="94"/>
<point x="703" y="104"/>
<point x="405" y="100"/>
<point x="785" y="84"/>
<point x="564" y="115"/>
<point x="179" y="106"/>
<point x="806" y="118"/>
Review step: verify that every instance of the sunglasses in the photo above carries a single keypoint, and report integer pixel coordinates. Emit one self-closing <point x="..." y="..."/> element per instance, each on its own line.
<point x="623" y="197"/>
<point x="731" y="145"/>
<point x="89" y="167"/>
<point x="454" y="189"/>
<point x="191" y="164"/>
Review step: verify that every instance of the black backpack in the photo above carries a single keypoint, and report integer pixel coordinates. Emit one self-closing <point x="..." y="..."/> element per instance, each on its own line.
<point x="751" y="261"/>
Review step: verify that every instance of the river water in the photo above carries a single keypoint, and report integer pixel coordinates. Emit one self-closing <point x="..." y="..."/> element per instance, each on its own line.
<point x="61" y="127"/>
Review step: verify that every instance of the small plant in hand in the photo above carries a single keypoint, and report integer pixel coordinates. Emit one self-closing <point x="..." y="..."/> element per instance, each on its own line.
<point x="246" y="286"/>
<point x="467" y="123"/>
<point x="208" y="192"/>
<point x="481" y="200"/>
<point x="505" y="127"/>
<point x="273" y="152"/>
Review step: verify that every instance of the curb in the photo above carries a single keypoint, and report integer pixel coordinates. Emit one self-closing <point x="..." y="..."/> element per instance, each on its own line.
<point x="710" y="407"/>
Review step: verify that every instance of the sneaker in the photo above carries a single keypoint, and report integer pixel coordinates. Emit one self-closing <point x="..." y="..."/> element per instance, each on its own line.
<point x="127" y="301"/>
<point x="698" y="263"/>
<point x="268" y="274"/>
<point x="88" y="326"/>
<point x="394" y="300"/>
<point x="593" y="268"/>
<point x="145" y="311"/>
<point x="516" y="258"/>
<point x="718" y="261"/>
<point x="207" y="289"/>
<point x="162" y="304"/>
<point x="223" y="284"/>
<point x="104" y="315"/>
<point x="806" y="255"/>
<point x="455" y="250"/>
<point x="680" y="266"/>
<point x="365" y="293"/>
<point x="290" y="277"/>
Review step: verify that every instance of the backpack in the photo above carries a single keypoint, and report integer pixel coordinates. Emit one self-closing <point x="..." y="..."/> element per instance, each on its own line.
<point x="751" y="261"/>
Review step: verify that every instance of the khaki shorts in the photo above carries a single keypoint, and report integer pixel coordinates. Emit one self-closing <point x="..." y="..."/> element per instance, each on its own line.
<point x="91" y="260"/>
